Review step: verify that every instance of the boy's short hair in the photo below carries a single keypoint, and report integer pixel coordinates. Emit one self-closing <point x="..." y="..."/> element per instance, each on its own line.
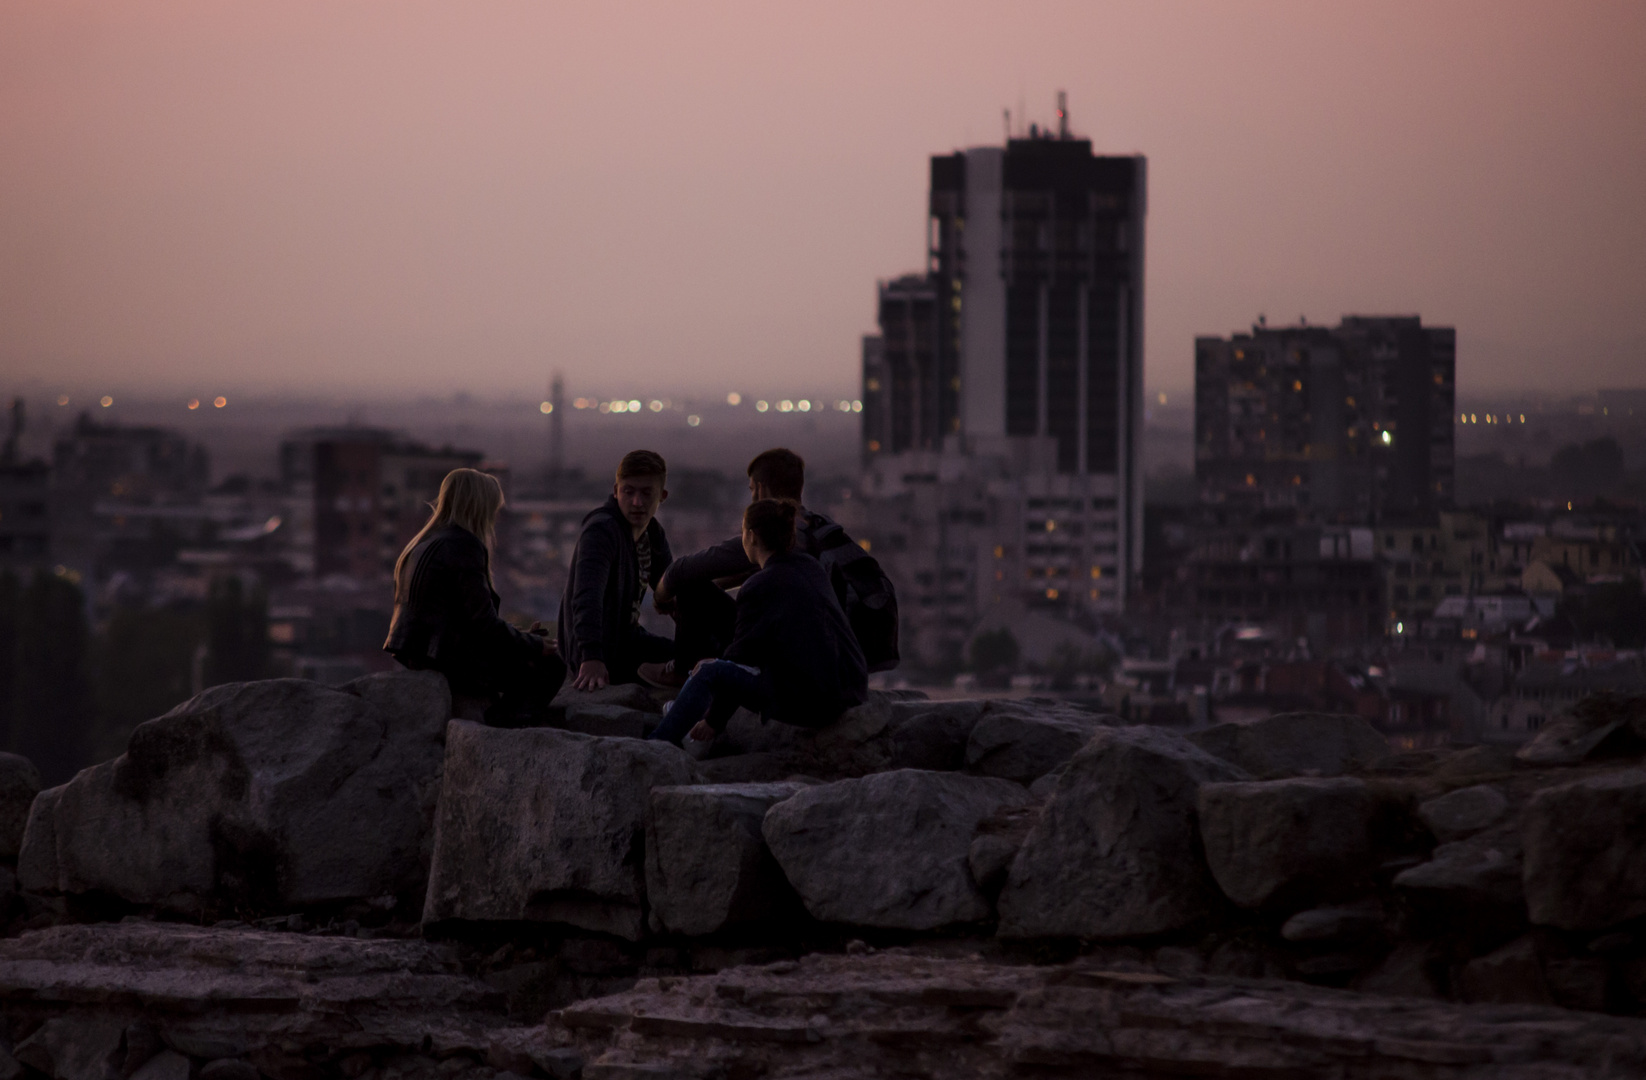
<point x="781" y="472"/>
<point x="642" y="463"/>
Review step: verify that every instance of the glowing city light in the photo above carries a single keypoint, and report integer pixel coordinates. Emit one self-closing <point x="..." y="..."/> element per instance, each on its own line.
<point x="219" y="402"/>
<point x="106" y="401"/>
<point x="785" y="405"/>
<point x="734" y="398"/>
<point x="194" y="403"/>
<point x="655" y="405"/>
<point x="1161" y="398"/>
<point x="693" y="420"/>
<point x="857" y="406"/>
<point x="803" y="405"/>
<point x="1387" y="438"/>
<point x="634" y="406"/>
<point x="546" y="408"/>
<point x="62" y="399"/>
<point x="761" y="406"/>
<point x="843" y="406"/>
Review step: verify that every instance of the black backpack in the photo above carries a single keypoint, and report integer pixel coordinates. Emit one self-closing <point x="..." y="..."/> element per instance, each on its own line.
<point x="863" y="589"/>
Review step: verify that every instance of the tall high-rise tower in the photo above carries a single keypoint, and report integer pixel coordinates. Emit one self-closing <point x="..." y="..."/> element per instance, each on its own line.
<point x="1021" y="344"/>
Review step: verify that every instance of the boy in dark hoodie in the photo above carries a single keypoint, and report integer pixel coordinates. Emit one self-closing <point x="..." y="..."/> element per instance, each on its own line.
<point x="792" y="656"/>
<point x="621" y="552"/>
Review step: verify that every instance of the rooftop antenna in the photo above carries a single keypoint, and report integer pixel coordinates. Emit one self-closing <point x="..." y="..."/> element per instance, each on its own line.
<point x="1062" y="115"/>
<point x="1008" y="121"/>
<point x="557" y="430"/>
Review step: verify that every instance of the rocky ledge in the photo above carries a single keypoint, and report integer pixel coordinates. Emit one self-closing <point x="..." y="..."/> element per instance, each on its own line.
<point x="360" y="882"/>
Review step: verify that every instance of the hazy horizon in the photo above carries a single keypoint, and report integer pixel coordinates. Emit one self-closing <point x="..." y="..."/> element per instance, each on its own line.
<point x="351" y="199"/>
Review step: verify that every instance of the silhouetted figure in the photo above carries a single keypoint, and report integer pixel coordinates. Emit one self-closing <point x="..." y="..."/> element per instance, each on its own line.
<point x="694" y="589"/>
<point x="621" y="552"/>
<point x="445" y="609"/>
<point x="792" y="657"/>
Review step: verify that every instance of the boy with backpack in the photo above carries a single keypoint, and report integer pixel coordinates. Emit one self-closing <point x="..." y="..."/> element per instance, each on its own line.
<point x="693" y="590"/>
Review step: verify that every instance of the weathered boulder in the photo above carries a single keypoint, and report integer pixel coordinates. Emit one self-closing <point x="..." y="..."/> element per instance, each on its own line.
<point x="887" y="850"/>
<point x="1512" y="974"/>
<point x="707" y="865"/>
<point x="623" y="695"/>
<point x="1601" y="725"/>
<point x="545" y="825"/>
<point x="19" y="784"/>
<point x="1472" y="876"/>
<point x="1585" y="852"/>
<point x="1116" y="852"/>
<point x="611" y="721"/>
<point x="1336" y="925"/>
<point x="1287" y="843"/>
<point x="933" y="734"/>
<point x="999" y="837"/>
<point x="1024" y="741"/>
<point x="1464" y="812"/>
<point x="260" y="796"/>
<point x="1297" y="744"/>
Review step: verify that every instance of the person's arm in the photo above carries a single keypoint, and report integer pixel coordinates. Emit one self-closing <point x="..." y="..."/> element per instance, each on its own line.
<point x="724" y="560"/>
<point x="597" y="552"/>
<point x="759" y="624"/>
<point x="472" y="604"/>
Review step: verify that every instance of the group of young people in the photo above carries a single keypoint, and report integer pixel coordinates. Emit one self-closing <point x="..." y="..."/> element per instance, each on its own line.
<point x="759" y="622"/>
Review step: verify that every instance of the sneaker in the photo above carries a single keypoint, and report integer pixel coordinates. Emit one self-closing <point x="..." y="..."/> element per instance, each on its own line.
<point x="662" y="676"/>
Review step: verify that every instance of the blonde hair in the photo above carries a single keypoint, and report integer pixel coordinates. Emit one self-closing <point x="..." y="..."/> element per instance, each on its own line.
<point x="468" y="498"/>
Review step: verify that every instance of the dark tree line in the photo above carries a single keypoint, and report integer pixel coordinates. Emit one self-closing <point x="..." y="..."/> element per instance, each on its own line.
<point x="69" y="697"/>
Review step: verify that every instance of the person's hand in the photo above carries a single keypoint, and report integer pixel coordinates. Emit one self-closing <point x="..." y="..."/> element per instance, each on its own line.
<point x="551" y="647"/>
<point x="699" y="665"/>
<point x="591" y="675"/>
<point x="702" y="732"/>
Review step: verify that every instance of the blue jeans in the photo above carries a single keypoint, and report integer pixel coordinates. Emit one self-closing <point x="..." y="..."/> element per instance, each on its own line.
<point x="713" y="693"/>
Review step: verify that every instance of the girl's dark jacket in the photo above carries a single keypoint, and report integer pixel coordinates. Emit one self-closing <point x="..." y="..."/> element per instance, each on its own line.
<point x="448" y="613"/>
<point x="790" y="626"/>
<point x="602" y="587"/>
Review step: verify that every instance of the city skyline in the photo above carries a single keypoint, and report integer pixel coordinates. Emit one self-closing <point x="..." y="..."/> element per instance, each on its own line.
<point x="196" y="199"/>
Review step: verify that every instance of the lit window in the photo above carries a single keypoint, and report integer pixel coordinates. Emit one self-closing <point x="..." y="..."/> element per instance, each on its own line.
<point x="1251" y="480"/>
<point x="874" y="444"/>
<point x="1097" y="572"/>
<point x="1000" y="551"/>
<point x="1297" y="384"/>
<point x="873" y="386"/>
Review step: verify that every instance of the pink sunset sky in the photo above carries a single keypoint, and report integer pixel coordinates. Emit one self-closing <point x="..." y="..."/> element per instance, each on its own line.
<point x="426" y="197"/>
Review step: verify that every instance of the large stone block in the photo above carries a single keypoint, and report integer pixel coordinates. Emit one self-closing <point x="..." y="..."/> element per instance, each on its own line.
<point x="544" y="825"/>
<point x="1297" y="744"/>
<point x="1116" y="853"/>
<point x="1024" y="741"/>
<point x="1289" y="843"/>
<point x="19" y="784"/>
<point x="707" y="865"/>
<point x="1585" y="852"/>
<point x="260" y="796"/>
<point x="888" y="850"/>
<point x="1464" y="812"/>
